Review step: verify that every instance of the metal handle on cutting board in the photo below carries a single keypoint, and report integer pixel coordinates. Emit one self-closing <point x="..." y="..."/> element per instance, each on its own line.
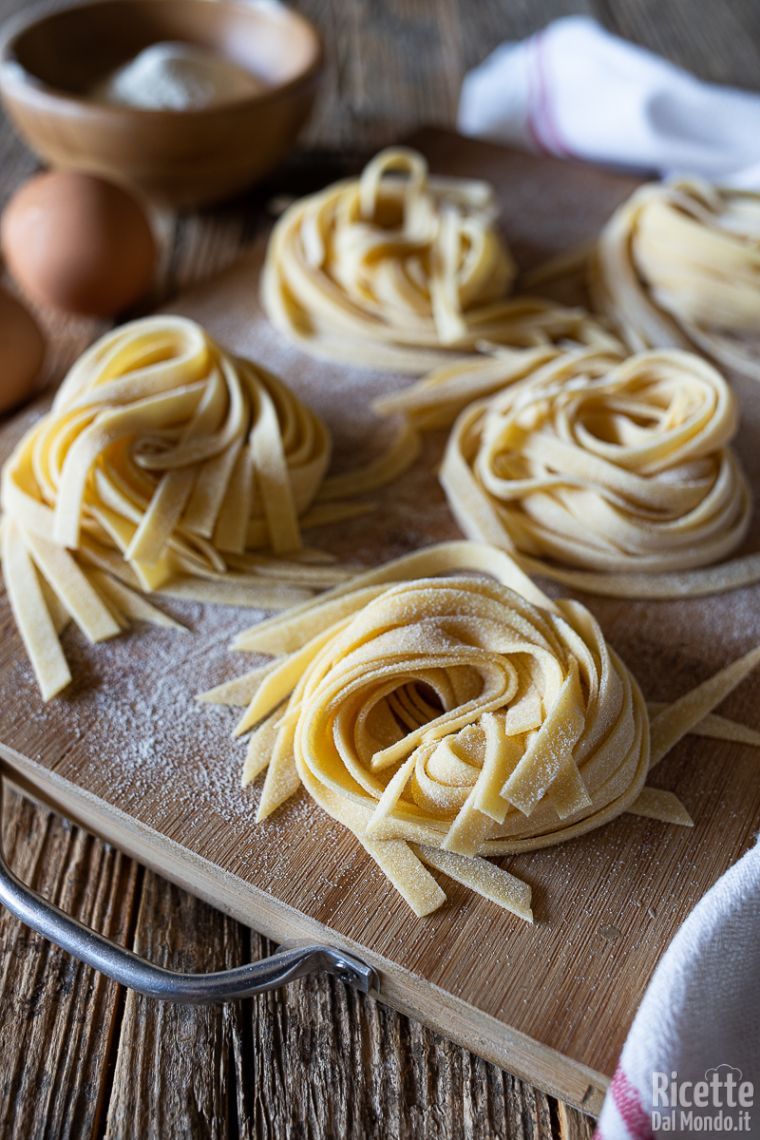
<point x="131" y="970"/>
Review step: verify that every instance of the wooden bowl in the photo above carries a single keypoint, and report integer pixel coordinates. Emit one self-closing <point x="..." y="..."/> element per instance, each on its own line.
<point x="178" y="157"/>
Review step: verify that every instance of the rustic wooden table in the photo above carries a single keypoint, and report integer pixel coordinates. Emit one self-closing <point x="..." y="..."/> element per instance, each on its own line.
<point x="78" y="1055"/>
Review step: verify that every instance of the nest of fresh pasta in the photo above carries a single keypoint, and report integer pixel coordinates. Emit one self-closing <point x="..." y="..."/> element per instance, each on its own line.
<point x="678" y="265"/>
<point x="444" y="709"/>
<point x="402" y="271"/>
<point x="167" y="465"/>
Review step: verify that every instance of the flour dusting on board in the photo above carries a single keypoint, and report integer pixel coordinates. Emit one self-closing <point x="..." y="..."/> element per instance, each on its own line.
<point x="130" y="731"/>
<point x="132" y="715"/>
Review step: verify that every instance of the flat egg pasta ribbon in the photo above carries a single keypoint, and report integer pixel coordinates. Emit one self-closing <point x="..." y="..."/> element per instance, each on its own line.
<point x="435" y="401"/>
<point x="678" y="265"/>
<point x="399" y="271"/>
<point x="444" y="709"/>
<point x="167" y="464"/>
<point x="610" y="475"/>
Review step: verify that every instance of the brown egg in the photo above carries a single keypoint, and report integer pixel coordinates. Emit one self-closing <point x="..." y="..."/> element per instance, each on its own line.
<point x="78" y="243"/>
<point x="22" y="351"/>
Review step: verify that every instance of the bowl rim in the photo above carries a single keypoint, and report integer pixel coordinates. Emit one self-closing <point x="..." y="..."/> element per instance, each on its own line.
<point x="17" y="80"/>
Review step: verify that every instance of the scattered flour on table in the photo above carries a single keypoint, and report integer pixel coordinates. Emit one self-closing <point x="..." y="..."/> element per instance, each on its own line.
<point x="132" y="732"/>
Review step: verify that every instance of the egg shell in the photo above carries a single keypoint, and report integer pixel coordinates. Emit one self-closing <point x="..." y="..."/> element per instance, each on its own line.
<point x="78" y="243"/>
<point x="22" y="352"/>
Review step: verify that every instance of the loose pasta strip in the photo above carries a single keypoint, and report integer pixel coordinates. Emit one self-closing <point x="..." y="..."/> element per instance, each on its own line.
<point x="716" y="727"/>
<point x="610" y="475"/>
<point x="445" y="710"/>
<point x="38" y="624"/>
<point x="168" y="465"/>
<point x="678" y="265"/>
<point x="402" y="271"/>
<point x="436" y="400"/>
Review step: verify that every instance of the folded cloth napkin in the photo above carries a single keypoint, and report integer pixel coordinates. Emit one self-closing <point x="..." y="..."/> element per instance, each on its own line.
<point x="698" y="1025"/>
<point x="576" y="91"/>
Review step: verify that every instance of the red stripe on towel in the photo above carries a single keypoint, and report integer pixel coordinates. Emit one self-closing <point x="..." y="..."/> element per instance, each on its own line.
<point x="628" y="1104"/>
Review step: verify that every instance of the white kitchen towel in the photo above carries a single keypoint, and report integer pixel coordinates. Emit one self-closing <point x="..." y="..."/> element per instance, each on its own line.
<point x="691" y="1063"/>
<point x="576" y="91"/>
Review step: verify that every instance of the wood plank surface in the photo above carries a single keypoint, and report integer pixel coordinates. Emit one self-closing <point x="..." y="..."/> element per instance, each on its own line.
<point x="160" y="775"/>
<point x="315" y="1059"/>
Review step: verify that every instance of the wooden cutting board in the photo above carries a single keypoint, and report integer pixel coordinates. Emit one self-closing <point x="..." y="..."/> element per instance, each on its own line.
<point x="127" y="752"/>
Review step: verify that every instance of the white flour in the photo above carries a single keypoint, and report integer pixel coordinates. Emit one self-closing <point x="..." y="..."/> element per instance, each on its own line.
<point x="177" y="77"/>
<point x="131" y="732"/>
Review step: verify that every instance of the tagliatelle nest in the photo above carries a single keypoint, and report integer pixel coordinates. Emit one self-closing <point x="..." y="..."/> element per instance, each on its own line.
<point x="399" y="270"/>
<point x="446" y="718"/>
<point x="166" y="464"/>
<point x="612" y="475"/>
<point x="678" y="265"/>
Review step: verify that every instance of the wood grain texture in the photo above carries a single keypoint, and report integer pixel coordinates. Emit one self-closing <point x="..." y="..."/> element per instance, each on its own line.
<point x="190" y="1050"/>
<point x="60" y="1020"/>
<point x="160" y="774"/>
<point x="372" y="1070"/>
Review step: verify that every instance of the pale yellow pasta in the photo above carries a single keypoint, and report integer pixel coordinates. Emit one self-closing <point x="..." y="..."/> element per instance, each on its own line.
<point x="166" y="463"/>
<point x="548" y="332"/>
<point x="399" y="270"/>
<point x="611" y="475"/>
<point x="444" y="709"/>
<point x="678" y="265"/>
